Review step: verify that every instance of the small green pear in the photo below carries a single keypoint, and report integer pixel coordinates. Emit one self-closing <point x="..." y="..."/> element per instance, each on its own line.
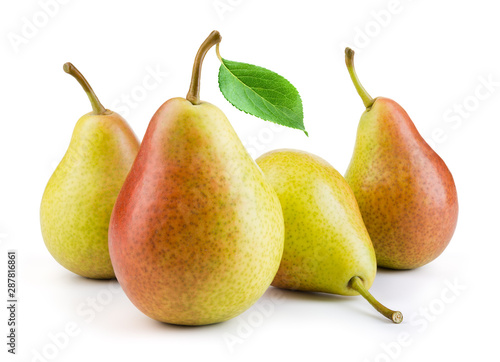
<point x="79" y="197"/>
<point x="327" y="247"/>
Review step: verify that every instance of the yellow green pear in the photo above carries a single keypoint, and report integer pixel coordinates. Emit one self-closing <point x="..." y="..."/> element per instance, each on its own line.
<point x="79" y="197"/>
<point x="327" y="247"/>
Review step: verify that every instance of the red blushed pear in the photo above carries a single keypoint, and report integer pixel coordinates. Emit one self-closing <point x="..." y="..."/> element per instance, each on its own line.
<point x="196" y="235"/>
<point x="404" y="190"/>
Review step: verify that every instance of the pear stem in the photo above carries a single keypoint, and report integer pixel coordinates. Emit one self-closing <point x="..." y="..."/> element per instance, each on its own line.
<point x="194" y="89"/>
<point x="97" y="107"/>
<point x="349" y="61"/>
<point x="218" y="53"/>
<point x="357" y="284"/>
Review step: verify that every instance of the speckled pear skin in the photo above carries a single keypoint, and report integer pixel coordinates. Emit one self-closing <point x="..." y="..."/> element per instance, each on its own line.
<point x="79" y="197"/>
<point x="405" y="192"/>
<point x="197" y="234"/>
<point x="326" y="242"/>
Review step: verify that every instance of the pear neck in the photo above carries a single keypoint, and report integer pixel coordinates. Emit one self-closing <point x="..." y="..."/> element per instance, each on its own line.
<point x="193" y="94"/>
<point x="97" y="107"/>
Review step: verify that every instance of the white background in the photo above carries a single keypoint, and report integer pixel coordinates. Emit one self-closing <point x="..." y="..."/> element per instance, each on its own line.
<point x="431" y="57"/>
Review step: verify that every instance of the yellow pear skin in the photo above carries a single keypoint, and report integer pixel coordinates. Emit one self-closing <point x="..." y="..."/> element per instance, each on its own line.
<point x="326" y="242"/>
<point x="79" y="197"/>
<point x="327" y="247"/>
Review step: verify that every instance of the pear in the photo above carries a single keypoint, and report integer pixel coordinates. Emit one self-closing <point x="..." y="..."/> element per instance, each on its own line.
<point x="196" y="235"/>
<point x="79" y="197"/>
<point x="405" y="191"/>
<point x="327" y="247"/>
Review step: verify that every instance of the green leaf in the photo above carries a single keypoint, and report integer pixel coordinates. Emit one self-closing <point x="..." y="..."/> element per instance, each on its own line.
<point x="261" y="93"/>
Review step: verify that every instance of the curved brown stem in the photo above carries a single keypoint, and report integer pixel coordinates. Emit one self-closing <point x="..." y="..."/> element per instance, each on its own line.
<point x="194" y="89"/>
<point x="357" y="284"/>
<point x="97" y="107"/>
